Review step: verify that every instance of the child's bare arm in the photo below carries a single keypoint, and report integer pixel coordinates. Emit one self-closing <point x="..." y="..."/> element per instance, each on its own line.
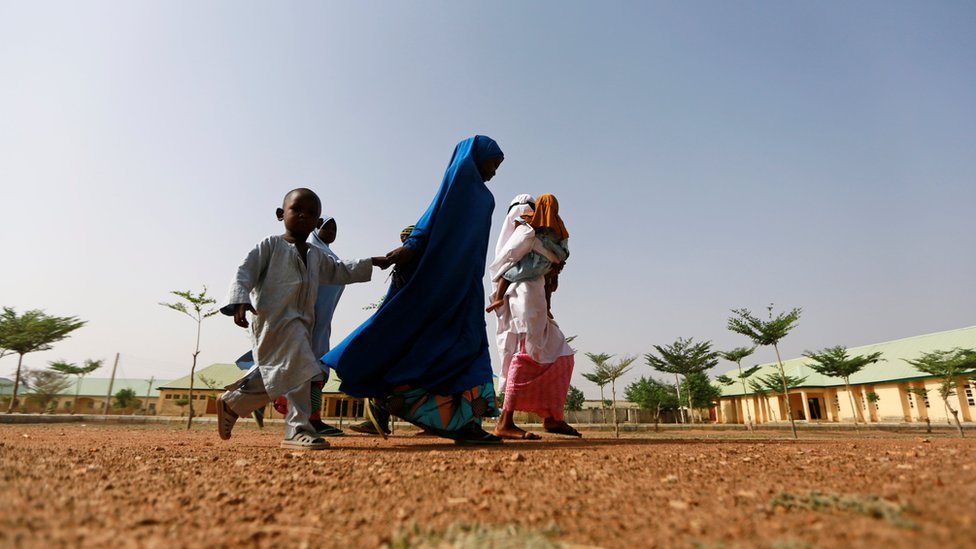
<point x="382" y="262"/>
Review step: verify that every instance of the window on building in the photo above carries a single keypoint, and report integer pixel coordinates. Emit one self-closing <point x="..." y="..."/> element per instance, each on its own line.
<point x="91" y="404"/>
<point x="969" y="394"/>
<point x="911" y="400"/>
<point x="170" y="396"/>
<point x="67" y="404"/>
<point x="357" y="409"/>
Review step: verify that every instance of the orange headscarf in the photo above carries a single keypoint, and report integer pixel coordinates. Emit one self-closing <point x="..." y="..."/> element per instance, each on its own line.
<point x="546" y="216"/>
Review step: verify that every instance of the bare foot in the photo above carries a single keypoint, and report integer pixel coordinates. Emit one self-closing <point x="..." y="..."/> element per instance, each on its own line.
<point x="494" y="305"/>
<point x="515" y="433"/>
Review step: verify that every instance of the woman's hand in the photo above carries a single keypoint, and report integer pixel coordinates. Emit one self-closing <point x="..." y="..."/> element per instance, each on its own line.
<point x="401" y="256"/>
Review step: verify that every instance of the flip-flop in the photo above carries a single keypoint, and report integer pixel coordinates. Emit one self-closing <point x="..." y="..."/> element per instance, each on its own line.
<point x="330" y="431"/>
<point x="526" y="435"/>
<point x="565" y="429"/>
<point x="476" y="435"/>
<point x="323" y="429"/>
<point x="372" y="419"/>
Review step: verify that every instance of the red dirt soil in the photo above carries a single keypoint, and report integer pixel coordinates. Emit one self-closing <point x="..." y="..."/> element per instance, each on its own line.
<point x="161" y="486"/>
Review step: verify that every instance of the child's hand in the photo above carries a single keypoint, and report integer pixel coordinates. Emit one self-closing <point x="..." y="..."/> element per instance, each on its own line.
<point x="240" y="318"/>
<point x="382" y="262"/>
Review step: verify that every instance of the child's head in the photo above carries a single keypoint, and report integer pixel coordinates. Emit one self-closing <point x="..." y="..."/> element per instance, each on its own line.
<point x="546" y="216"/>
<point x="405" y="233"/>
<point x="300" y="211"/>
<point x="327" y="230"/>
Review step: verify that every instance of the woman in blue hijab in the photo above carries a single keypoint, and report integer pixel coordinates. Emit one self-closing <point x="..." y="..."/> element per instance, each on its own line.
<point x="423" y="356"/>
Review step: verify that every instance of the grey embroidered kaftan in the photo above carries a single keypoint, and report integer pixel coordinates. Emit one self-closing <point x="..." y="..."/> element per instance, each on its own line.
<point x="284" y="291"/>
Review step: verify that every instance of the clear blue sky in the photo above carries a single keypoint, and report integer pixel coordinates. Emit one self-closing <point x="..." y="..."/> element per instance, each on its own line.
<point x="707" y="156"/>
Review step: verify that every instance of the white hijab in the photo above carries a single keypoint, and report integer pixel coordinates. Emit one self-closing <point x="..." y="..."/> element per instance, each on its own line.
<point x="521" y="204"/>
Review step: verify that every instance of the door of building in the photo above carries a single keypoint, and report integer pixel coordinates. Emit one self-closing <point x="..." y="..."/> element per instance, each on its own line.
<point x="814" y="404"/>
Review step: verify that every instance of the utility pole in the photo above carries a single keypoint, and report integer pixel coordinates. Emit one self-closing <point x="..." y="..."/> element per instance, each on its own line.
<point x="111" y="382"/>
<point x="145" y="407"/>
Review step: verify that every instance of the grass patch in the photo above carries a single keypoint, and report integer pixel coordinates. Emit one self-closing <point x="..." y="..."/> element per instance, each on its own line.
<point x="475" y="536"/>
<point x="872" y="506"/>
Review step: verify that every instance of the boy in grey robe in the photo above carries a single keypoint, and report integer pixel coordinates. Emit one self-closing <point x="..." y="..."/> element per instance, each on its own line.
<point x="283" y="274"/>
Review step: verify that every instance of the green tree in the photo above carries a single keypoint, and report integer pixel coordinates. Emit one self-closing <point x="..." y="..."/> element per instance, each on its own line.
<point x="950" y="367"/>
<point x="199" y="309"/>
<point x="614" y="372"/>
<point x="181" y="402"/>
<point x="923" y="396"/>
<point x="772" y="383"/>
<point x="737" y="355"/>
<point x="700" y="391"/>
<point x="835" y="362"/>
<point x="69" y="368"/>
<point x="31" y="332"/>
<point x="574" y="399"/>
<point x="599" y="376"/>
<point x="651" y="394"/>
<point x="124" y="398"/>
<point x="768" y="333"/>
<point x="683" y="357"/>
<point x="45" y="386"/>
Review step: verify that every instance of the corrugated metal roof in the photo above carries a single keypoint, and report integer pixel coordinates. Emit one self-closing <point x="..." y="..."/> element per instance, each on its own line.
<point x="220" y="374"/>
<point x="892" y="368"/>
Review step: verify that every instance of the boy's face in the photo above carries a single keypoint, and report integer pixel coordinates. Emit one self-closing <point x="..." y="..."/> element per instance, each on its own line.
<point x="300" y="213"/>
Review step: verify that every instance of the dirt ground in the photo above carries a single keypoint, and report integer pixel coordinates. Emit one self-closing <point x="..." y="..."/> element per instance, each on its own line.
<point x="161" y="486"/>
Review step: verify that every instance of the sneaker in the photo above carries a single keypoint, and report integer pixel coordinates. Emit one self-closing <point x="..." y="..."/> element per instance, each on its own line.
<point x="305" y="441"/>
<point x="226" y="418"/>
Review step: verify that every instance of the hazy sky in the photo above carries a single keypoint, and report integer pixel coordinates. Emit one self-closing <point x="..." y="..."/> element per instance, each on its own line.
<point x="707" y="156"/>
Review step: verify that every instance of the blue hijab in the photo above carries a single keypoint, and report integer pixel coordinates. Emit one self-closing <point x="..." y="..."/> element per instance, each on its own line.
<point x="430" y="332"/>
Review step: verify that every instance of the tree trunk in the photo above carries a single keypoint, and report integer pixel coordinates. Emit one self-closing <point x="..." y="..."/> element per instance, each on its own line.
<point x="955" y="416"/>
<point x="603" y="405"/>
<point x="850" y="395"/>
<point x="677" y="388"/>
<point x="74" y="403"/>
<point x="13" y="395"/>
<point x="690" y="408"/>
<point x="193" y="369"/>
<point x="745" y="402"/>
<point x="786" y="392"/>
<point x="613" y="403"/>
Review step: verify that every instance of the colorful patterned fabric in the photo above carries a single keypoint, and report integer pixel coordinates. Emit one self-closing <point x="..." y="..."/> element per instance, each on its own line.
<point x="538" y="388"/>
<point x="442" y="415"/>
